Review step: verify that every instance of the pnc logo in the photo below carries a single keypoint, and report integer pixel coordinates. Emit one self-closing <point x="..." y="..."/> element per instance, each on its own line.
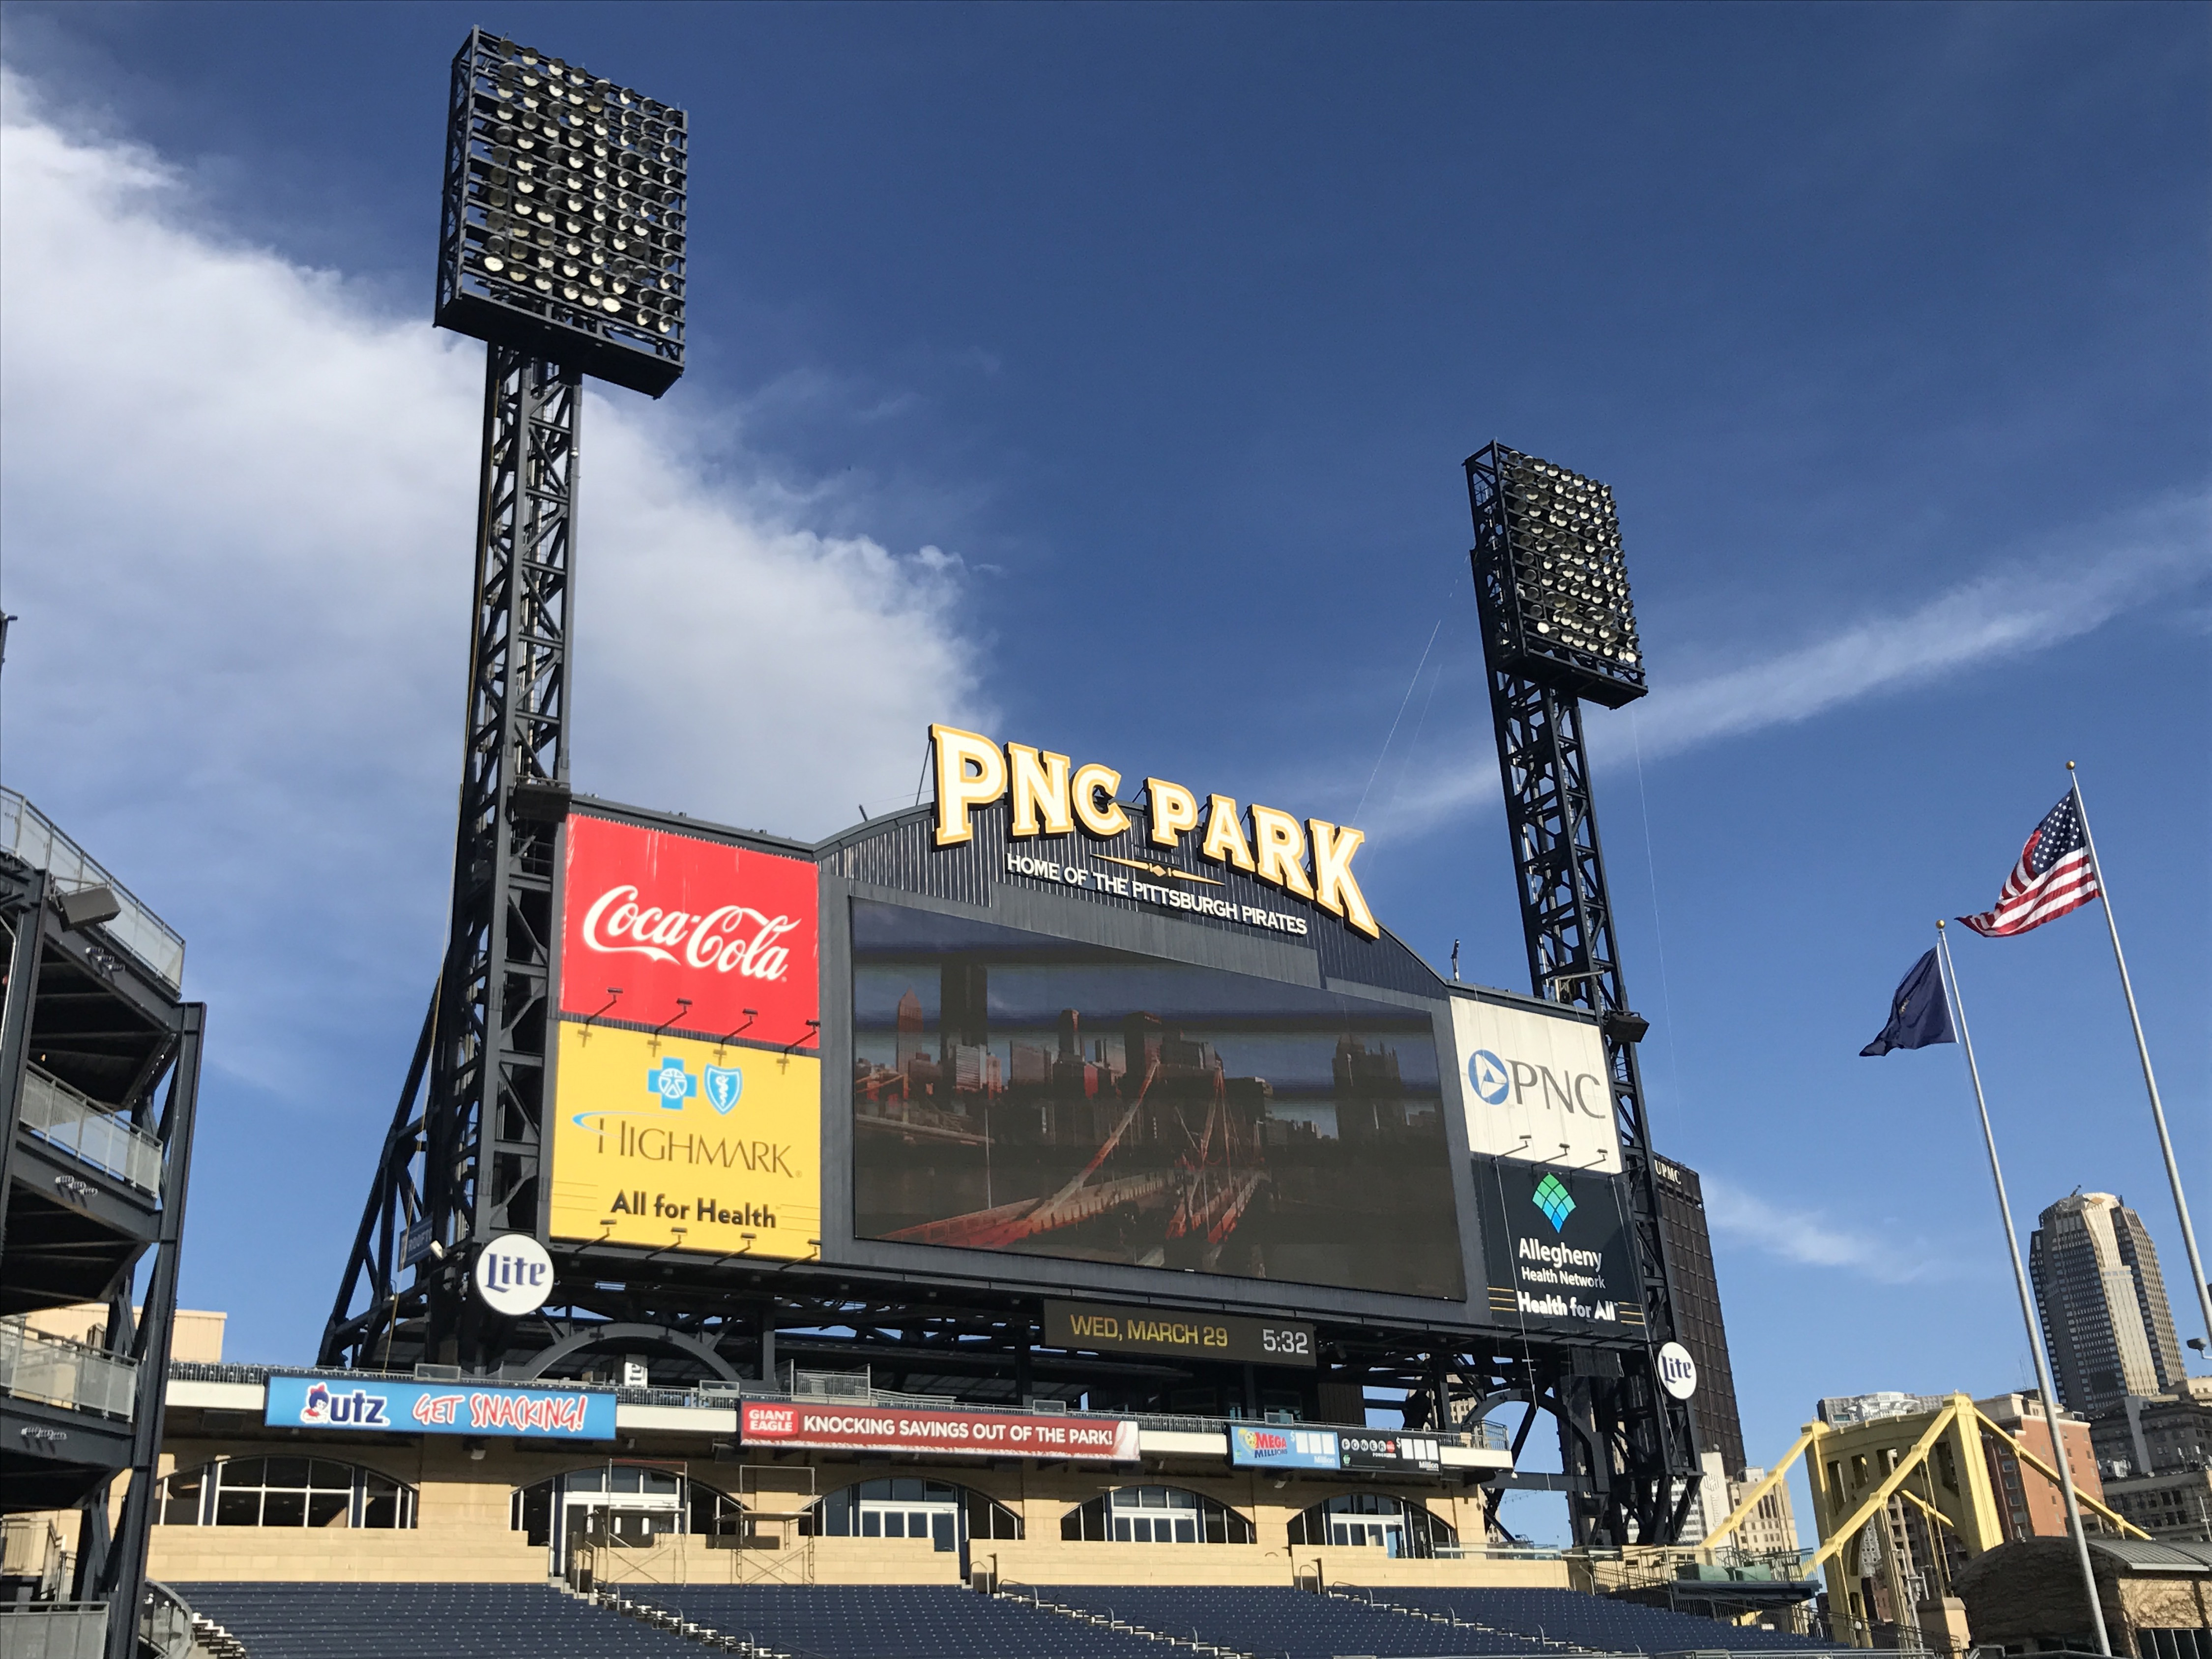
<point x="1491" y="1081"/>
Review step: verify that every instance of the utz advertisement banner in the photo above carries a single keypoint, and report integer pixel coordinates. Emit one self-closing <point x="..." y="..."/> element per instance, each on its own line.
<point x="686" y="1144"/>
<point x="662" y="929"/>
<point x="1535" y="1086"/>
<point x="379" y="1406"/>
<point x="876" y="1428"/>
<point x="1558" y="1246"/>
<point x="702" y="1133"/>
<point x="1266" y="1445"/>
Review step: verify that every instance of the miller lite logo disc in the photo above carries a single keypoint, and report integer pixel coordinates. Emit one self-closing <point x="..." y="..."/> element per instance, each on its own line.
<point x="1678" y="1372"/>
<point x="513" y="1274"/>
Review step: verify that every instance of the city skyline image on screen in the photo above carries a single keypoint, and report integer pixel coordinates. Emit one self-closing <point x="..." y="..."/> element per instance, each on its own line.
<point x="1021" y="1092"/>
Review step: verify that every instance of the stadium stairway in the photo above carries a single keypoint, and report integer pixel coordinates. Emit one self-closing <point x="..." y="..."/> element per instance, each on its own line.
<point x="1280" y="1623"/>
<point x="419" y="1621"/>
<point x="1593" y="1623"/>
<point x="885" y="1621"/>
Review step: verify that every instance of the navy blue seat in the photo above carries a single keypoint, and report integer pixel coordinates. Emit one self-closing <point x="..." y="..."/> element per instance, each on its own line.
<point x="427" y="1621"/>
<point x="1600" y="1622"/>
<point x="1273" y="1623"/>
<point x="889" y="1621"/>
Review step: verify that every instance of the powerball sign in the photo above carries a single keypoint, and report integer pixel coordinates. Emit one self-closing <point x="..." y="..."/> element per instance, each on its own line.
<point x="870" y="1428"/>
<point x="395" y="1407"/>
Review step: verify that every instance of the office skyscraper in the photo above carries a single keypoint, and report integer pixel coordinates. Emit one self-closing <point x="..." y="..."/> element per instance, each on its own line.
<point x="1698" y="1312"/>
<point x="2103" y="1301"/>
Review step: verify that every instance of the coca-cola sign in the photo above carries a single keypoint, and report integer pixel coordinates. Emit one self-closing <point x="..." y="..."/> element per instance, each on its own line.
<point x="703" y="937"/>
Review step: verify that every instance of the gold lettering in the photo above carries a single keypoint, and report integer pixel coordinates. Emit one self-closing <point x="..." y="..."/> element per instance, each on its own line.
<point x="959" y="790"/>
<point x="1335" y="889"/>
<point x="1039" y="781"/>
<point x="1174" y="810"/>
<point x="1089" y="784"/>
<point x="1224" y="840"/>
<point x="1282" y="850"/>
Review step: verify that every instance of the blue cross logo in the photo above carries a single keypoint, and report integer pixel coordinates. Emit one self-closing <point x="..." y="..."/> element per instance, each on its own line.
<point x="672" y="1083"/>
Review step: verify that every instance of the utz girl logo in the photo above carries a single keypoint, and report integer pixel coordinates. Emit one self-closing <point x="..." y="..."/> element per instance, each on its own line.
<point x="356" y="1408"/>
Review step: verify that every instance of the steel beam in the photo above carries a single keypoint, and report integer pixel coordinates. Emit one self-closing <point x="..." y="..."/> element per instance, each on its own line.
<point x="1574" y="958"/>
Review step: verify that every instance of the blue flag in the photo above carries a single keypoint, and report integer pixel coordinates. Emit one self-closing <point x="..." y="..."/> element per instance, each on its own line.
<point x="1919" y="1013"/>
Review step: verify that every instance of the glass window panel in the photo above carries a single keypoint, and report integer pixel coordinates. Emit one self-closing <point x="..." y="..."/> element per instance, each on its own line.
<point x="877" y="1489"/>
<point x="1120" y="1529"/>
<point x="328" y="1509"/>
<point x="1186" y="1532"/>
<point x="906" y="1490"/>
<point x="181" y="1499"/>
<point x="1153" y="1497"/>
<point x="941" y="1531"/>
<point x="238" y="1508"/>
<point x="243" y="1472"/>
<point x="284" y="1509"/>
<point x="1179" y="1499"/>
<point x="894" y="1523"/>
<point x="623" y="1480"/>
<point x="872" y="1523"/>
<point x="327" y="1476"/>
<point x="937" y="1491"/>
<point x="285" y="1471"/>
<point x="659" y="1480"/>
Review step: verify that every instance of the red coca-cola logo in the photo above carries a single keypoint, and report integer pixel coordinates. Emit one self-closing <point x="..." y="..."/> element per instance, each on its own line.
<point x="698" y="938"/>
<point x="732" y="938"/>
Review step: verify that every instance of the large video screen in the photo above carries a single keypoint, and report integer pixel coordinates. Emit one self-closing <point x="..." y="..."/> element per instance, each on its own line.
<point x="1015" y="1092"/>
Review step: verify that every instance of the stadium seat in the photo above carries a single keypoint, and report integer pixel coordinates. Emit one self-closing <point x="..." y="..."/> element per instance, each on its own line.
<point x="426" y="1621"/>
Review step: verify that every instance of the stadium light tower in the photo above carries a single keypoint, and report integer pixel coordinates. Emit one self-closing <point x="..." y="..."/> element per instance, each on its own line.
<point x="562" y="246"/>
<point x="1558" y="627"/>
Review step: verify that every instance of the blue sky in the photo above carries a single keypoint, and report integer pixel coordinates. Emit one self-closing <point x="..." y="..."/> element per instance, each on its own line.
<point x="1101" y="376"/>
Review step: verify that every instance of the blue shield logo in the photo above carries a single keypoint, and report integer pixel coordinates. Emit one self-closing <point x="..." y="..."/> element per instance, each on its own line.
<point x="724" y="1084"/>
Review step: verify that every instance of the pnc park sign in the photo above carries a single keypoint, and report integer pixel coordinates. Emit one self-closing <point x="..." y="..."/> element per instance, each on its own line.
<point x="1049" y="795"/>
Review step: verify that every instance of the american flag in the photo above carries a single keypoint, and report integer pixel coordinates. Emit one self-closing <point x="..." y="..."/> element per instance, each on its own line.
<point x="2053" y="876"/>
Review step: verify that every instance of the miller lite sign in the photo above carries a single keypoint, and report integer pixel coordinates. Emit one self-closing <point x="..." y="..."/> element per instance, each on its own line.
<point x="513" y="1275"/>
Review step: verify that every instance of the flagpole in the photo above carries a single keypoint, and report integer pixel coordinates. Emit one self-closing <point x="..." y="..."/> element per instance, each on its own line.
<point x="2026" y="1302"/>
<point x="2142" y="1053"/>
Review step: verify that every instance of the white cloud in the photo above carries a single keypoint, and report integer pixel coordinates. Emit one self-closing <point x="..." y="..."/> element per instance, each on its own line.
<point x="2025" y="607"/>
<point x="1804" y="1236"/>
<point x="238" y="501"/>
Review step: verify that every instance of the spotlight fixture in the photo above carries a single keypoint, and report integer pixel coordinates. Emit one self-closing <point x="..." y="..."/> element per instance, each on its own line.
<point x="563" y="231"/>
<point x="1555" y="599"/>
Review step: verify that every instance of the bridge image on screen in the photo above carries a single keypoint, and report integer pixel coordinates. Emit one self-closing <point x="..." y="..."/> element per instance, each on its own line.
<point x="1014" y="1091"/>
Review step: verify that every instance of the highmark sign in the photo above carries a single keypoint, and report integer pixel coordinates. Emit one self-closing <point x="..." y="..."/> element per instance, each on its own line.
<point x="1050" y="796"/>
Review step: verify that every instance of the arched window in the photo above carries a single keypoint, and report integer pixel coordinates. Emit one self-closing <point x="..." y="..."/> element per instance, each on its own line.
<point x="1397" y="1526"/>
<point x="908" y="1507"/>
<point x="633" y="1503"/>
<point x="283" y="1491"/>
<point x="1155" y="1515"/>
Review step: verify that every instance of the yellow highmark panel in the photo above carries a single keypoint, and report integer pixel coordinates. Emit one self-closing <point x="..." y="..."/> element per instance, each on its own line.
<point x="686" y="1144"/>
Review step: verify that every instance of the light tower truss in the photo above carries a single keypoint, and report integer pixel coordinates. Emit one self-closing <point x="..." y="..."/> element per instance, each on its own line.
<point x="1566" y="916"/>
<point x="465" y="1166"/>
